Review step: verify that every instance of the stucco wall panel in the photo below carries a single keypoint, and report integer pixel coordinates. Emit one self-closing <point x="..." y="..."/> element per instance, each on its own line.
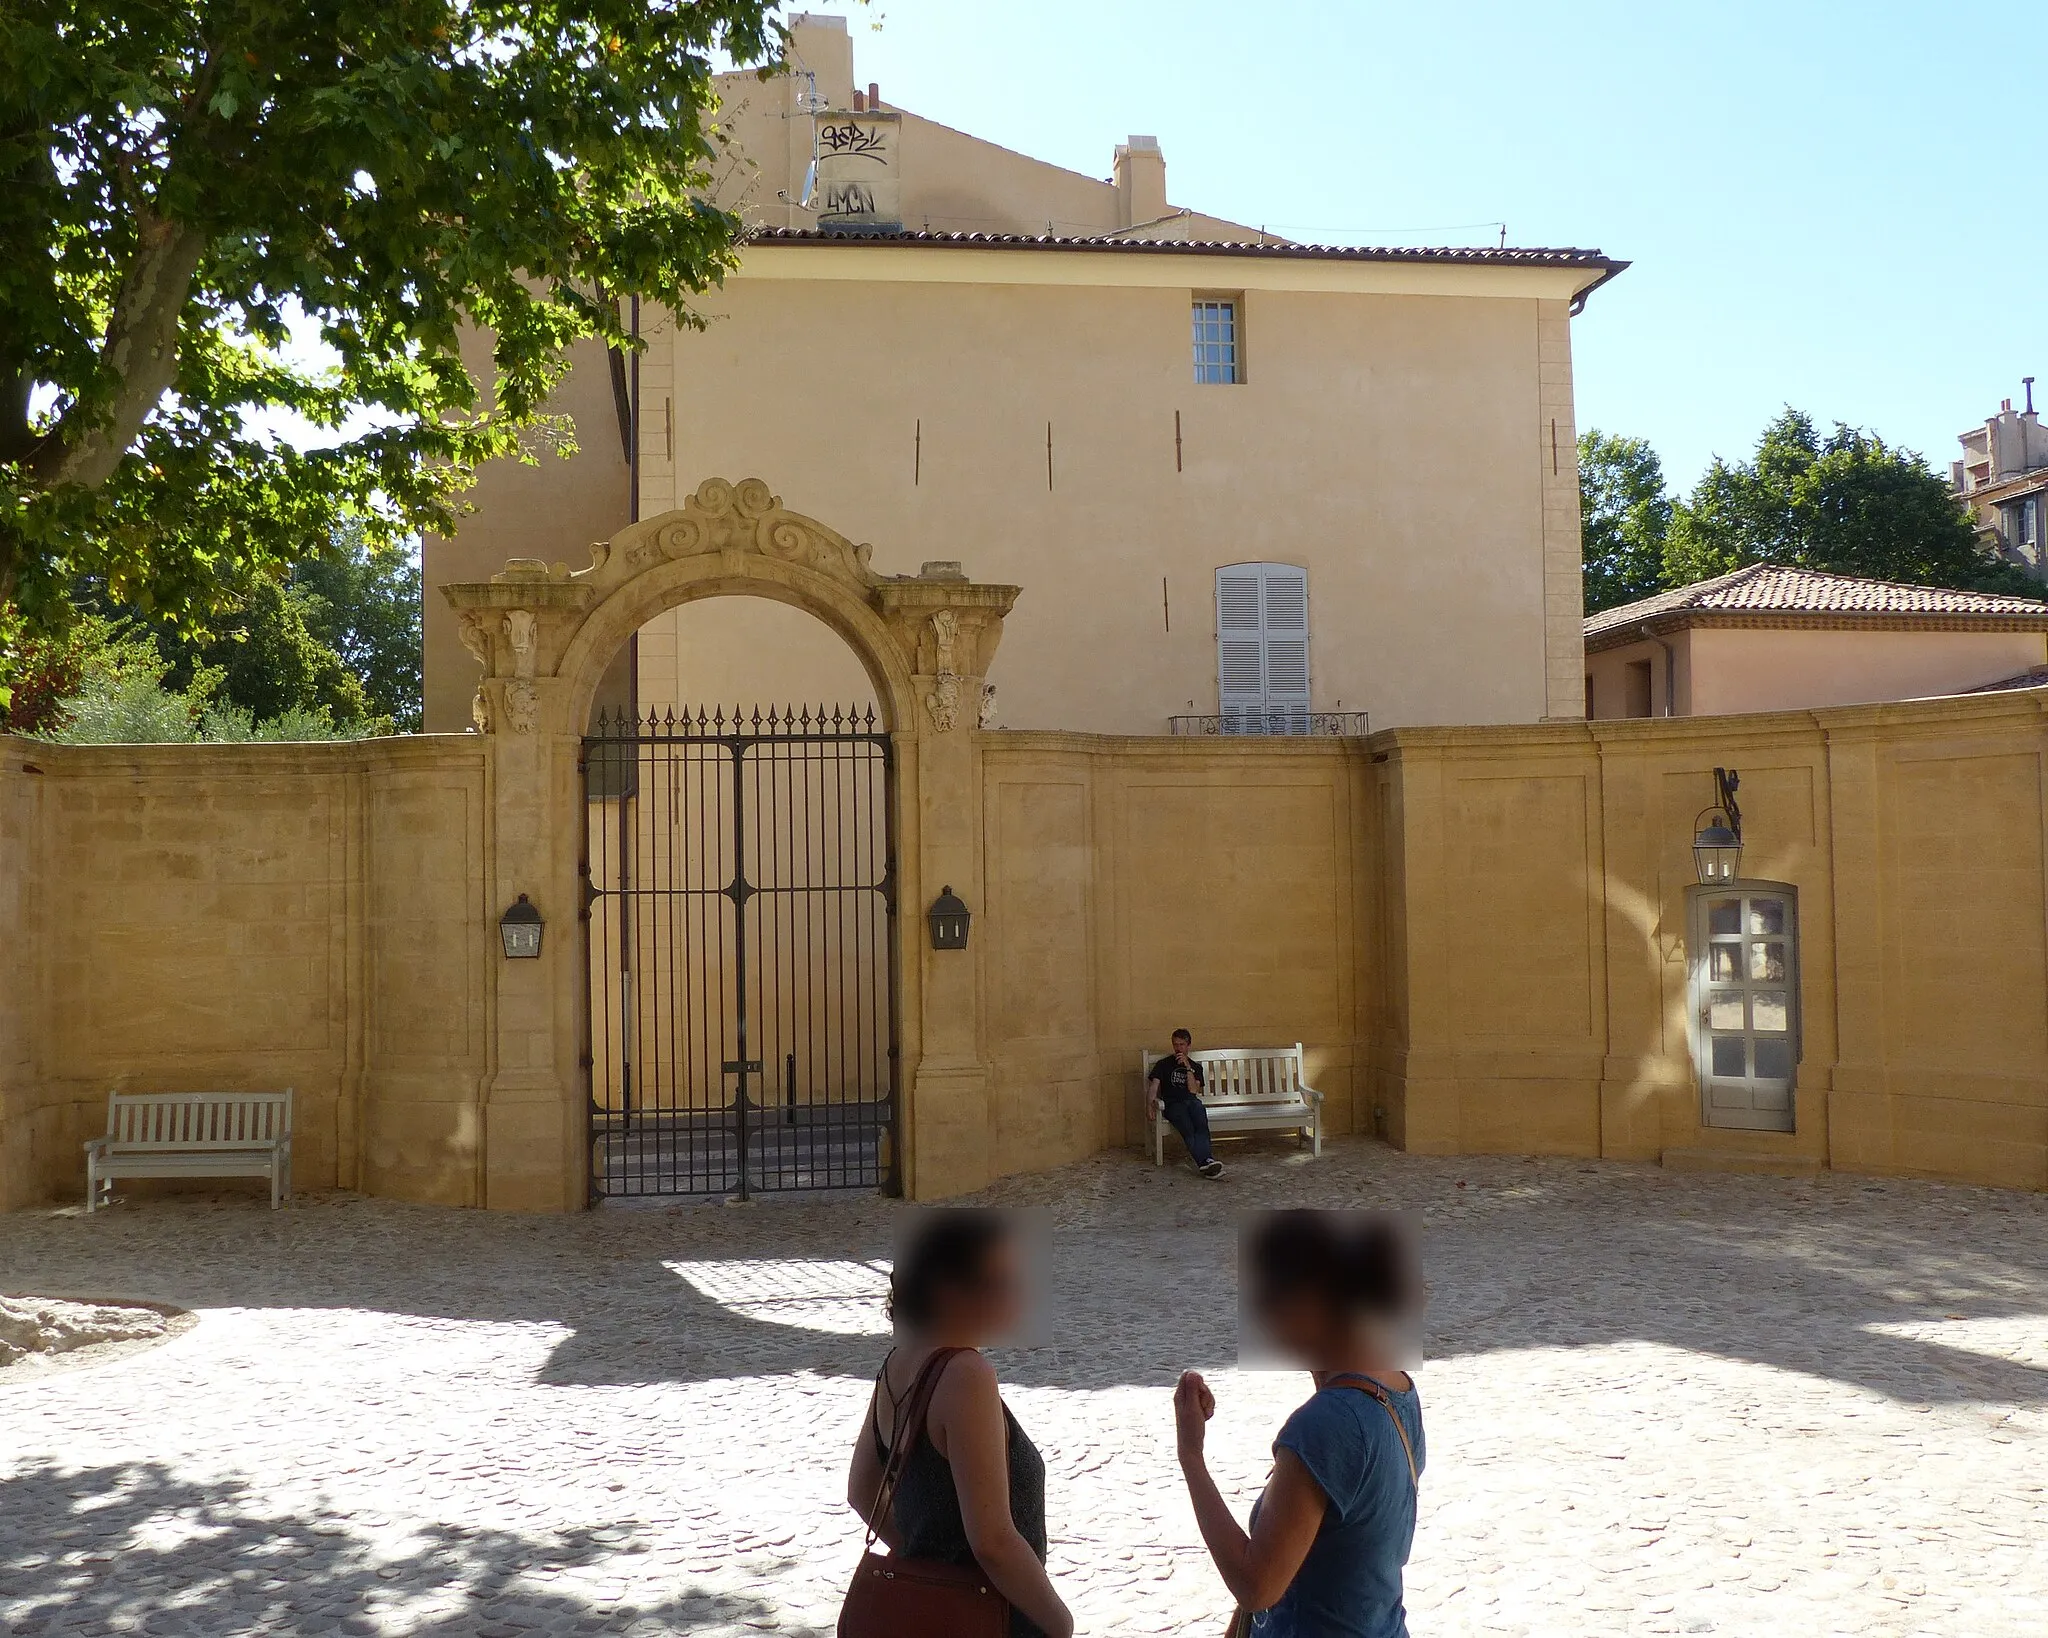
<point x="224" y="918"/>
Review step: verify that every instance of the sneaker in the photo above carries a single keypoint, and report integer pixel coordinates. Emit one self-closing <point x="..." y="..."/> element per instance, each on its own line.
<point x="1213" y="1169"/>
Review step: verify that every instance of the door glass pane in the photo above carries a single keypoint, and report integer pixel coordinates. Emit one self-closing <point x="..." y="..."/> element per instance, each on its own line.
<point x="1724" y="916"/>
<point x="1773" y="1059"/>
<point x="1728" y="1056"/>
<point x="1767" y="1011"/>
<point x="1724" y="1011"/>
<point x="1724" y="963"/>
<point x="1767" y="915"/>
<point x="1766" y="961"/>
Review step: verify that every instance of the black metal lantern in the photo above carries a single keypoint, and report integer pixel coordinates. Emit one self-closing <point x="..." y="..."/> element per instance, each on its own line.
<point x="1717" y="833"/>
<point x="949" y="918"/>
<point x="521" y="928"/>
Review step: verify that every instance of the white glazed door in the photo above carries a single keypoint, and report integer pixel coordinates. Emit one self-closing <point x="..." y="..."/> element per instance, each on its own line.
<point x="1746" y="991"/>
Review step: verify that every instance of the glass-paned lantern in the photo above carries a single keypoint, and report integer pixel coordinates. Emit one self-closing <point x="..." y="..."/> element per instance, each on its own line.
<point x="949" y="918"/>
<point x="521" y="927"/>
<point x="1716" y="849"/>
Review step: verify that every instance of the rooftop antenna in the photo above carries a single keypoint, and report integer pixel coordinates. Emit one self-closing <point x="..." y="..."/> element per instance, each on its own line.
<point x="1503" y="235"/>
<point x="811" y="101"/>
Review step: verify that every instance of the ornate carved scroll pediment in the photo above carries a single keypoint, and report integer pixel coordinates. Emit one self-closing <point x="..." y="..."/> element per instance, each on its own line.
<point x="745" y="517"/>
<point x="936" y="630"/>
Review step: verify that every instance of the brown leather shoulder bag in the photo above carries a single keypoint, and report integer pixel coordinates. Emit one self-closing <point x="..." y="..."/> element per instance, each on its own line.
<point x="897" y="1597"/>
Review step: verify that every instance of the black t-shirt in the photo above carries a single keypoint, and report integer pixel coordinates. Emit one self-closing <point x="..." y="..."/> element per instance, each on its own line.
<point x="1173" y="1077"/>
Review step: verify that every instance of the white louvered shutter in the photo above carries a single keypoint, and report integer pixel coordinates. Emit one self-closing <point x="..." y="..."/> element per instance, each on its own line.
<point x="1262" y="648"/>
<point x="1240" y="647"/>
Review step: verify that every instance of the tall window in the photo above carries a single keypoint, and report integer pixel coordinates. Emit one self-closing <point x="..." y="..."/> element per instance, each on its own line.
<point x="1216" y="340"/>
<point x="1262" y="648"/>
<point x="1744" y="948"/>
<point x="2027" y="522"/>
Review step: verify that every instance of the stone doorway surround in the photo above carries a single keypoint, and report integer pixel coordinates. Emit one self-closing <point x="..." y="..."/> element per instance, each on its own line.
<point x="544" y="636"/>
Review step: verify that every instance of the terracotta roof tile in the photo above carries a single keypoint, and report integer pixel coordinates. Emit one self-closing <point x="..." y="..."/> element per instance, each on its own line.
<point x="2036" y="678"/>
<point x="1477" y="256"/>
<point x="1766" y="588"/>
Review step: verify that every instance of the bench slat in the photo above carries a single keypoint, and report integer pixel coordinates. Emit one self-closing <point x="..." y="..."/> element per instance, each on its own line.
<point x="210" y="1134"/>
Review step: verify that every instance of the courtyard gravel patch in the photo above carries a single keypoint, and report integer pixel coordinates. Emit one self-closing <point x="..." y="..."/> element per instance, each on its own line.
<point x="1656" y="1403"/>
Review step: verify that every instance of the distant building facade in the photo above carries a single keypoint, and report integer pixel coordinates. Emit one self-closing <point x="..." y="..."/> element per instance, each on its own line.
<point x="1767" y="638"/>
<point x="2003" y="478"/>
<point x="1239" y="480"/>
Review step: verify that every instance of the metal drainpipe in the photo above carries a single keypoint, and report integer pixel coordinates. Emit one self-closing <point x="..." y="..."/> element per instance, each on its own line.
<point x="1670" y="670"/>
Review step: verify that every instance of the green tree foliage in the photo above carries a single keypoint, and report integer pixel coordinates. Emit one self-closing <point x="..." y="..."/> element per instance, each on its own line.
<point x="362" y="601"/>
<point x="1847" y="504"/>
<point x="183" y="180"/>
<point x="102" y="681"/>
<point x="1624" y="517"/>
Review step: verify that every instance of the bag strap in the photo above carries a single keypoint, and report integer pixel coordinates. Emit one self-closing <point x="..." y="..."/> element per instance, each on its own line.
<point x="1366" y="1384"/>
<point x="909" y="1426"/>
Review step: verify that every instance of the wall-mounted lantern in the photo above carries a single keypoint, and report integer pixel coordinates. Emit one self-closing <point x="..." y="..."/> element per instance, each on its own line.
<point x="520" y="928"/>
<point x="1717" y="832"/>
<point x="949" y="918"/>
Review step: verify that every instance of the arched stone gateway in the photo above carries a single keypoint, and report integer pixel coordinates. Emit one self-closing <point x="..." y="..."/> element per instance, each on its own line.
<point x="544" y="636"/>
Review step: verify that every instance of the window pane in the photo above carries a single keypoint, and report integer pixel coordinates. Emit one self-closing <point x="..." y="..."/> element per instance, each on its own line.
<point x="1215" y="341"/>
<point x="1766" y="916"/>
<point x="1766" y="961"/>
<point x="1728" y="1056"/>
<point x="1774" y="1061"/>
<point x="1724" y="963"/>
<point x="1724" y="1011"/>
<point x="1724" y="916"/>
<point x="1767" y="1011"/>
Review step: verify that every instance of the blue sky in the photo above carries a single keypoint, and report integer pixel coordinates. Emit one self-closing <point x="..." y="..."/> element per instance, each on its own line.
<point x="1839" y="206"/>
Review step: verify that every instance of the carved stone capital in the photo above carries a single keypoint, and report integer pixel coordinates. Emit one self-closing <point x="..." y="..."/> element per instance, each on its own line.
<point x="945" y="625"/>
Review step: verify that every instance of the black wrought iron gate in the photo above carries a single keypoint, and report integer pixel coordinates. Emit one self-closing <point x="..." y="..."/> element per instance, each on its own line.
<point x="739" y="906"/>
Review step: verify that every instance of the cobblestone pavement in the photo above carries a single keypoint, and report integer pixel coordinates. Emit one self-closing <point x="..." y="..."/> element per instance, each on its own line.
<point x="1656" y="1403"/>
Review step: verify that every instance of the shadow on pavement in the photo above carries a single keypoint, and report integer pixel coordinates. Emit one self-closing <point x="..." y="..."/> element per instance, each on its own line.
<point x="133" y="1548"/>
<point x="1555" y="1254"/>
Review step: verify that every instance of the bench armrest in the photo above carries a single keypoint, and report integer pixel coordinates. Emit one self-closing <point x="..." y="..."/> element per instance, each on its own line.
<point x="1311" y="1094"/>
<point x="97" y="1146"/>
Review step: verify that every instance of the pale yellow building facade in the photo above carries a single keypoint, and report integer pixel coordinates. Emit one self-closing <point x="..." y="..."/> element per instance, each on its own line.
<point x="998" y="363"/>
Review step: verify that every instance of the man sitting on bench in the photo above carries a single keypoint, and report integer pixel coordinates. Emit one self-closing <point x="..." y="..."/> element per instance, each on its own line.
<point x="1176" y="1088"/>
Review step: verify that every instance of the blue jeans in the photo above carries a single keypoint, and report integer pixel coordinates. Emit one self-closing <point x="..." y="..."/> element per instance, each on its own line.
<point x="1187" y="1117"/>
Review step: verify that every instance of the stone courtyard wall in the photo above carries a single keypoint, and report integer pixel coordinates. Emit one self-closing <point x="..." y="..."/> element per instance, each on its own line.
<point x="214" y="917"/>
<point x="1136" y="886"/>
<point x="1478" y="935"/>
<point x="1537" y="997"/>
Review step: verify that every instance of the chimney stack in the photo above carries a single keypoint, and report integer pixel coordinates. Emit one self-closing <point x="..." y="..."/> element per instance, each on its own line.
<point x="874" y="95"/>
<point x="2027" y="381"/>
<point x="1140" y="181"/>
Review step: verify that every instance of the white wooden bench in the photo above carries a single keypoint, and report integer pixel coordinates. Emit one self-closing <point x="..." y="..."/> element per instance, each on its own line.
<point x="192" y="1134"/>
<point x="1248" y="1089"/>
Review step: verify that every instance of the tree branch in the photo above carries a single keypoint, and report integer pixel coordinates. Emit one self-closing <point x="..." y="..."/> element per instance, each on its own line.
<point x="140" y="351"/>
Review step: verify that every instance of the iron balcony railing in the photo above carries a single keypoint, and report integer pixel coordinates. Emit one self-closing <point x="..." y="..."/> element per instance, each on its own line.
<point x="1338" y="724"/>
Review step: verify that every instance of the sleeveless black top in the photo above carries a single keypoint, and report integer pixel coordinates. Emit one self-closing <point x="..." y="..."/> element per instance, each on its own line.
<point x="927" y="1507"/>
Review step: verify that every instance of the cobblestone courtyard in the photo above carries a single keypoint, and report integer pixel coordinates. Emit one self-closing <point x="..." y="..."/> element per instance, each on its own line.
<point x="1656" y="1403"/>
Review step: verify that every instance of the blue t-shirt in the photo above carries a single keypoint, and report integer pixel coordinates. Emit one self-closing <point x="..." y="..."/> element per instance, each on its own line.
<point x="1349" y="1586"/>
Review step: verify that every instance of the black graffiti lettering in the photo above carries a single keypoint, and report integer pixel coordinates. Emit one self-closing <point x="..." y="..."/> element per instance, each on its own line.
<point x="854" y="139"/>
